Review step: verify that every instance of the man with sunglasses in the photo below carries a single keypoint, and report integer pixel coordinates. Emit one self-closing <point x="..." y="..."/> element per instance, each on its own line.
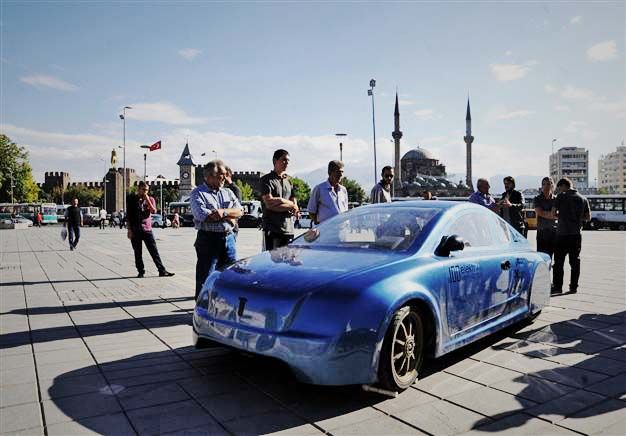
<point x="381" y="192"/>
<point x="215" y="211"/>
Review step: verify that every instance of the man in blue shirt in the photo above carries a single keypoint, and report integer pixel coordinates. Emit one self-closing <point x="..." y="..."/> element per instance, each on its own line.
<point x="329" y="198"/>
<point x="215" y="211"/>
<point x="483" y="197"/>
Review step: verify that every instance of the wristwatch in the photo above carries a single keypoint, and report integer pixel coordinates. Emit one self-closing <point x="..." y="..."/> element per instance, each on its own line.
<point x="225" y="213"/>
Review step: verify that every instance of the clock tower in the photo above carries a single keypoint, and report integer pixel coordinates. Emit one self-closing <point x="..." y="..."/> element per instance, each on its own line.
<point x="187" y="174"/>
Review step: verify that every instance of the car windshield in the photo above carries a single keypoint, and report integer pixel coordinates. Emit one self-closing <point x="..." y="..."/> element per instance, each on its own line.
<point x="393" y="228"/>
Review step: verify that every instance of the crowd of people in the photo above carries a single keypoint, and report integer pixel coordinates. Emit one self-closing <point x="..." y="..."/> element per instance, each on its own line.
<point x="216" y="207"/>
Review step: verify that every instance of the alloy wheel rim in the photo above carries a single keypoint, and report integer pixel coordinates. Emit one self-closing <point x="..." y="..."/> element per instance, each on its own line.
<point x="403" y="358"/>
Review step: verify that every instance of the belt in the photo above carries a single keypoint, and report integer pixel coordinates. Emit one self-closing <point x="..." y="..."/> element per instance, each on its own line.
<point x="210" y="232"/>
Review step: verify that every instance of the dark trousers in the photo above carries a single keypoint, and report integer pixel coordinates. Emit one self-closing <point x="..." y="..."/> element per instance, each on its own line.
<point x="102" y="222"/>
<point x="148" y="239"/>
<point x="214" y="251"/>
<point x="73" y="234"/>
<point x="545" y="241"/>
<point x="566" y="245"/>
<point x="275" y="240"/>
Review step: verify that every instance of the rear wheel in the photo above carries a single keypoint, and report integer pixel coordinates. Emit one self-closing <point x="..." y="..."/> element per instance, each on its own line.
<point x="403" y="350"/>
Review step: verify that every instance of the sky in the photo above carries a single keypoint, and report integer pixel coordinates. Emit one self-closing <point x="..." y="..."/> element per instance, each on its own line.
<point x="238" y="80"/>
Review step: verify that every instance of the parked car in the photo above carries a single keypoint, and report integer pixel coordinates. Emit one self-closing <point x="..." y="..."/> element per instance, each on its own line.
<point x="252" y="215"/>
<point x="21" y="219"/>
<point x="304" y="222"/>
<point x="157" y="221"/>
<point x="366" y="295"/>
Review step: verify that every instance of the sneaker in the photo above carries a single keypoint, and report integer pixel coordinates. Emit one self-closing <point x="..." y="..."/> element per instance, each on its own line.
<point x="140" y="275"/>
<point x="166" y="274"/>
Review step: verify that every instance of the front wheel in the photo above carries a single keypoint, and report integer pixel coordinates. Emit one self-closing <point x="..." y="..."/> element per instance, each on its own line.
<point x="403" y="350"/>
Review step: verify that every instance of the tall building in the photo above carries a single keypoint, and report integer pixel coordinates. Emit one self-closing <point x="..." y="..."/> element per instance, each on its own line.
<point x="187" y="173"/>
<point x="397" y="135"/>
<point x="468" y="138"/>
<point x="612" y="171"/>
<point x="573" y="163"/>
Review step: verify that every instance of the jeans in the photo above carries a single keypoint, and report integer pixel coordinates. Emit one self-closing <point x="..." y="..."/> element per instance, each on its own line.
<point x="214" y="251"/>
<point x="148" y="239"/>
<point x="73" y="234"/>
<point x="275" y="240"/>
<point x="545" y="241"/>
<point x="566" y="245"/>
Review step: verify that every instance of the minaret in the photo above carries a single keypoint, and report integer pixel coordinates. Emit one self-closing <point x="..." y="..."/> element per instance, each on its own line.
<point x="397" y="134"/>
<point x="468" y="138"/>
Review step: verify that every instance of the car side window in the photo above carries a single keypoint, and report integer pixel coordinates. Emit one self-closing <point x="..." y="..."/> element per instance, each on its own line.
<point x="473" y="228"/>
<point x="503" y="235"/>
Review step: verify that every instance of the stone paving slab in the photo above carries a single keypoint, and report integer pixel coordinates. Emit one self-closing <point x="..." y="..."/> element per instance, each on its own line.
<point x="87" y="348"/>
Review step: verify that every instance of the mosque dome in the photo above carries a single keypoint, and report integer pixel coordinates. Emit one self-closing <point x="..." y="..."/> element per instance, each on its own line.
<point x="418" y="153"/>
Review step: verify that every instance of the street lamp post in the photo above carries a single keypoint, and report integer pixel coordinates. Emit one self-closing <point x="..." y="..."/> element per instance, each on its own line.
<point x="370" y="92"/>
<point x="11" y="174"/>
<point x="340" y="136"/>
<point x="145" y="156"/>
<point x="553" y="141"/>
<point x="123" y="118"/>
<point x="161" y="178"/>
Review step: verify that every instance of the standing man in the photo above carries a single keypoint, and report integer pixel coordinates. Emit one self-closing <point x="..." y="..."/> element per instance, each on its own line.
<point x="571" y="210"/>
<point x="140" y="209"/>
<point x="512" y="205"/>
<point x="482" y="195"/>
<point x="329" y="198"/>
<point x="381" y="192"/>
<point x="279" y="203"/>
<point x="546" y="222"/>
<point x="230" y="185"/>
<point x="73" y="222"/>
<point x="215" y="211"/>
<point x="103" y="218"/>
<point x="38" y="219"/>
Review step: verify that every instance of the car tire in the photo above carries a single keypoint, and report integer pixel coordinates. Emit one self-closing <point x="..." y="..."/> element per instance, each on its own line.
<point x="402" y="354"/>
<point x="203" y="343"/>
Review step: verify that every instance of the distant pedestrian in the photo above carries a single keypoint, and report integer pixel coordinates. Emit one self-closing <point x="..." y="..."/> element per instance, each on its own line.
<point x="279" y="203"/>
<point x="230" y="185"/>
<point x="512" y="205"/>
<point x="546" y="222"/>
<point x="140" y="209"/>
<point x="427" y="195"/>
<point x="381" y="192"/>
<point x="482" y="195"/>
<point x="122" y="217"/>
<point x="38" y="219"/>
<point x="215" y="211"/>
<point x="571" y="209"/>
<point x="73" y="222"/>
<point x="176" y="220"/>
<point x="103" y="218"/>
<point x="330" y="197"/>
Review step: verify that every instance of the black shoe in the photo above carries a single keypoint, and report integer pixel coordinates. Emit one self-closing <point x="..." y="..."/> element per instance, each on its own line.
<point x="166" y="274"/>
<point x="71" y="248"/>
<point x="140" y="275"/>
<point x="556" y="291"/>
<point x="573" y="290"/>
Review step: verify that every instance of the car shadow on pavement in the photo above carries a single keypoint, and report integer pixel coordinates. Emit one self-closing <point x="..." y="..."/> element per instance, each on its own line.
<point x="44" y="282"/>
<point x="590" y="381"/>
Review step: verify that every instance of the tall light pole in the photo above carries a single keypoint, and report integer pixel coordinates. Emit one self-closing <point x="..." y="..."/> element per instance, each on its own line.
<point x="552" y="158"/>
<point x="161" y="178"/>
<point x="370" y="92"/>
<point x="214" y="154"/>
<point x="11" y="173"/>
<point x="553" y="141"/>
<point x="145" y="156"/>
<point x="339" y="137"/>
<point x="123" y="118"/>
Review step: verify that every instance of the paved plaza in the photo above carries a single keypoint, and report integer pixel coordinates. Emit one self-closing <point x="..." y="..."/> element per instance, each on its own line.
<point x="85" y="347"/>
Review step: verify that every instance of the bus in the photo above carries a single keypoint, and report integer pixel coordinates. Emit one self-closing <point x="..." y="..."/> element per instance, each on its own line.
<point x="28" y="210"/>
<point x="607" y="212"/>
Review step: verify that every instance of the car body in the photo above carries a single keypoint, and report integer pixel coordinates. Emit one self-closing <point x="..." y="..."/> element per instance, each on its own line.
<point x="333" y="304"/>
<point x="157" y="221"/>
<point x="22" y="220"/>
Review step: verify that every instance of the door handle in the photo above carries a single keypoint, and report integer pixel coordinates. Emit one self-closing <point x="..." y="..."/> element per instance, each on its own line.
<point x="505" y="265"/>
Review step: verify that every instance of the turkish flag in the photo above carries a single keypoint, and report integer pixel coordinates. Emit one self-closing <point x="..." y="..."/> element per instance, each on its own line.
<point x="155" y="146"/>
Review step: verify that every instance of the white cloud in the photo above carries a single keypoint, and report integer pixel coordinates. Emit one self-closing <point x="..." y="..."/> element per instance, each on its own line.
<point x="576" y="20"/>
<point x="508" y="72"/>
<point x="603" y="51"/>
<point x="405" y="102"/>
<point x="508" y="53"/>
<point x="189" y="53"/>
<point x="41" y="80"/>
<point x="574" y="93"/>
<point x="425" y="114"/>
<point x="523" y="113"/>
<point x="550" y="89"/>
<point x="561" y="108"/>
<point x="574" y="126"/>
<point x="164" y="112"/>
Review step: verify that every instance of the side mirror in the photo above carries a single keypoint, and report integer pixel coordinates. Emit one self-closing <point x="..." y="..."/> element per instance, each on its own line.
<point x="449" y="244"/>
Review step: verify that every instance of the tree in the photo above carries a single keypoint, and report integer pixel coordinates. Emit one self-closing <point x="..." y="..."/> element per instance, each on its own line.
<point x="247" y="193"/>
<point x="301" y="190"/>
<point x="355" y="192"/>
<point x="86" y="196"/>
<point x="603" y="191"/>
<point x="15" y="169"/>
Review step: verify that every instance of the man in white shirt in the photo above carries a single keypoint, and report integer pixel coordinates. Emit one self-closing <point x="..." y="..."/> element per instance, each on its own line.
<point x="329" y="198"/>
<point x="103" y="218"/>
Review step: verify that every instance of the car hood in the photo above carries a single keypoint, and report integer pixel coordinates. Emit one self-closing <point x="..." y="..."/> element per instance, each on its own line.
<point x="266" y="291"/>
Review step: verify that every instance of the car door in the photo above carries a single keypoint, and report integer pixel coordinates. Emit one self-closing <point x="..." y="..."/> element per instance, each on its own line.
<point x="467" y="298"/>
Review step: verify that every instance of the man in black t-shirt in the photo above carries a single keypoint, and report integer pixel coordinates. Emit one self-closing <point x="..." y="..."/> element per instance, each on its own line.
<point x="546" y="222"/>
<point x="73" y="222"/>
<point x="279" y="203"/>
<point x="571" y="209"/>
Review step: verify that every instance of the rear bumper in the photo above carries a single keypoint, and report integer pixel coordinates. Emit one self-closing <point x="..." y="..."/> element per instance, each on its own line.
<point x="342" y="360"/>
